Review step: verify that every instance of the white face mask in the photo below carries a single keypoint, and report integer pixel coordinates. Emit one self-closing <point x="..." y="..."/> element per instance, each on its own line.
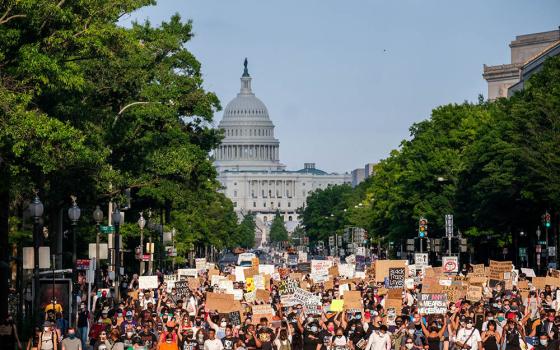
<point x="223" y="324"/>
<point x="411" y="331"/>
<point x="543" y="342"/>
<point x="409" y="346"/>
<point x="46" y="329"/>
<point x="129" y="334"/>
<point x="469" y="325"/>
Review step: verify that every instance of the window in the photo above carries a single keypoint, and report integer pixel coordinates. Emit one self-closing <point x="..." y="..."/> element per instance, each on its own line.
<point x="254" y="204"/>
<point x="272" y="204"/>
<point x="289" y="204"/>
<point x="278" y="204"/>
<point x="289" y="218"/>
<point x="264" y="204"/>
<point x="235" y="184"/>
<point x="235" y="204"/>
<point x="235" y="193"/>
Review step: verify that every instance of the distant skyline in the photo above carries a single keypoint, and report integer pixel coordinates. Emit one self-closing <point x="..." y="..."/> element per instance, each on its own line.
<point x="344" y="80"/>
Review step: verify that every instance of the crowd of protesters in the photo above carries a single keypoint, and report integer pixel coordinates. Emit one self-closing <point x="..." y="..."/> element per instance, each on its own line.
<point x="156" y="319"/>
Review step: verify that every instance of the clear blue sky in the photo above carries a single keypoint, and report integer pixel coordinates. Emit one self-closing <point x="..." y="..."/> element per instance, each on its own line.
<point x="336" y="96"/>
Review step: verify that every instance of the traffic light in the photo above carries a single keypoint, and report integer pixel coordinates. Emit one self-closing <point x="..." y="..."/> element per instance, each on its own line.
<point x="422" y="228"/>
<point x="437" y="245"/>
<point x="410" y="245"/>
<point x="547" y="220"/>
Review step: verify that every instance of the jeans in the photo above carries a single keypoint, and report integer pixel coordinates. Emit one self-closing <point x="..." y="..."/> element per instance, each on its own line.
<point x="83" y="337"/>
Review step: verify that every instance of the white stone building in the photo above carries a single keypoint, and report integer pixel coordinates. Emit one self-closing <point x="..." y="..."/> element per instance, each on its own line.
<point x="249" y="168"/>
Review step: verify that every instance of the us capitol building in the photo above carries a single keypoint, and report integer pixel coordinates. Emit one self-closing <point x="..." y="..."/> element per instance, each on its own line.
<point x="249" y="168"/>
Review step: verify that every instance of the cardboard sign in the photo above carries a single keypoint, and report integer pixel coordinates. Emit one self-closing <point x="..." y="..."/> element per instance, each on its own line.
<point x="219" y="302"/>
<point x="194" y="283"/>
<point x="353" y="300"/>
<point x="539" y="282"/>
<point x="474" y="293"/>
<point x="260" y="311"/>
<point x="255" y="262"/>
<point x="304" y="267"/>
<point x="266" y="269"/>
<point x="148" y="282"/>
<point x="394" y="304"/>
<point x="382" y="268"/>
<point x="430" y="304"/>
<point x="396" y="277"/>
<point x="528" y="272"/>
<point x="450" y="264"/>
<point x="500" y="270"/>
<point x="333" y="271"/>
<point x="478" y="268"/>
<point x="262" y="295"/>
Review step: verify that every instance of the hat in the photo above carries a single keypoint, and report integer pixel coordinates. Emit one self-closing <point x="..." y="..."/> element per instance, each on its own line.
<point x="129" y="313"/>
<point x="104" y="293"/>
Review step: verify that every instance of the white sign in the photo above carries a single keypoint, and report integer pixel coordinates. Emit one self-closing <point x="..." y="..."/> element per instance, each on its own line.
<point x="239" y="274"/>
<point x="200" y="263"/>
<point x="302" y="257"/>
<point x="266" y="269"/>
<point x="346" y="270"/>
<point x="342" y="288"/>
<point x="320" y="267"/>
<point x="148" y="282"/>
<point x="421" y="259"/>
<point x="258" y="281"/>
<point x="450" y="264"/>
<point x="226" y="285"/>
<point x="102" y="250"/>
<point x="528" y="272"/>
<point x="187" y="272"/>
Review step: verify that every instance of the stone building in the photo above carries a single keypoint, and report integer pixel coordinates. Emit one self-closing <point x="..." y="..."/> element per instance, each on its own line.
<point x="524" y="49"/>
<point x="249" y="167"/>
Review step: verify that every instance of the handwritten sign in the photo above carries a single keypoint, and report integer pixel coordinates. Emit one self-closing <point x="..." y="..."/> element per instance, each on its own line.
<point x="432" y="304"/>
<point x="396" y="277"/>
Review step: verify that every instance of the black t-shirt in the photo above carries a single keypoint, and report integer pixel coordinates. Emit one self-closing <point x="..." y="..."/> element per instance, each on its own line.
<point x="325" y="339"/>
<point x="189" y="344"/>
<point x="266" y="336"/>
<point x="229" y="342"/>
<point x="311" y="337"/>
<point x="149" y="339"/>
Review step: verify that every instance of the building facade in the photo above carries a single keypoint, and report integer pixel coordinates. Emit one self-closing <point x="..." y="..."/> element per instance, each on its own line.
<point x="249" y="167"/>
<point x="524" y="49"/>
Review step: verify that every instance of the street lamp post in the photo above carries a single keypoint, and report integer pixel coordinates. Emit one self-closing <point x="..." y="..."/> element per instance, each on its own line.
<point x="36" y="209"/>
<point x="141" y="224"/>
<point x="116" y="216"/>
<point x="98" y="217"/>
<point x="74" y="215"/>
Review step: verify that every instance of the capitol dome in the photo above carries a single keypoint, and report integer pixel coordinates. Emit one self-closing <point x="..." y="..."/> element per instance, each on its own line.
<point x="249" y="142"/>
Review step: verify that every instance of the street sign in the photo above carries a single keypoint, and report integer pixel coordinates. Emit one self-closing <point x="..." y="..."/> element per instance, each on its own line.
<point x="450" y="264"/>
<point x="331" y="241"/>
<point x="522" y="251"/>
<point x="551" y="251"/>
<point x="82" y="264"/>
<point x="107" y="229"/>
<point x="421" y="259"/>
<point x="449" y="225"/>
<point x="146" y="257"/>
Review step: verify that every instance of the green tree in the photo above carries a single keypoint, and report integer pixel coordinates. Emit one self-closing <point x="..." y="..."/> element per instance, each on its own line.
<point x="325" y="213"/>
<point x="278" y="232"/>
<point x="246" y="231"/>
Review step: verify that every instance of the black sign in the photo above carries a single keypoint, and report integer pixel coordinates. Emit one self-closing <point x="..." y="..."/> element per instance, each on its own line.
<point x="304" y="267"/>
<point x="235" y="318"/>
<point x="181" y="290"/>
<point x="396" y="277"/>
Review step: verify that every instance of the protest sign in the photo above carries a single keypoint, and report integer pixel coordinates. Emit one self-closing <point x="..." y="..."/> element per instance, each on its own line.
<point x="346" y="270"/>
<point x="235" y="318"/>
<point x="259" y="282"/>
<point x="240" y="273"/>
<point x="312" y="309"/>
<point x="382" y="268"/>
<point x="266" y="269"/>
<point x="395" y="304"/>
<point x="238" y="294"/>
<point x="255" y="262"/>
<point x="215" y="280"/>
<point x="264" y="310"/>
<point x="249" y="285"/>
<point x="353" y="300"/>
<point x="342" y="288"/>
<point x="474" y="293"/>
<point x="194" y="283"/>
<point x="187" y="272"/>
<point x="337" y="305"/>
<point x="287" y="286"/>
<point x="219" y="302"/>
<point x="200" y="264"/>
<point x="500" y="270"/>
<point x="262" y="295"/>
<point x="432" y="304"/>
<point x="304" y="267"/>
<point x="396" y="277"/>
<point x="305" y="298"/>
<point x="148" y="282"/>
<point x="250" y="296"/>
<point x="302" y="257"/>
<point x="320" y="267"/>
<point x="250" y="272"/>
<point x="226" y="286"/>
<point x="333" y="271"/>
<point x="182" y="291"/>
<point x="478" y="268"/>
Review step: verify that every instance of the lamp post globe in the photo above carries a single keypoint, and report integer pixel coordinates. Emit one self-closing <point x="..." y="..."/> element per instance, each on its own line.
<point x="98" y="215"/>
<point x="74" y="215"/>
<point x="36" y="208"/>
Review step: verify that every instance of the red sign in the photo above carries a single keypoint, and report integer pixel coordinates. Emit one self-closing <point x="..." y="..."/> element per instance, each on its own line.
<point x="146" y="257"/>
<point x="82" y="264"/>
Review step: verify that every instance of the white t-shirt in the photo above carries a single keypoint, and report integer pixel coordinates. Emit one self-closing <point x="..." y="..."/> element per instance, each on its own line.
<point x="463" y="334"/>
<point x="379" y="341"/>
<point x="215" y="344"/>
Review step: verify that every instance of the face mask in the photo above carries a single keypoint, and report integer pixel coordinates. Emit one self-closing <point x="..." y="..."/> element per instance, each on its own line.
<point x="469" y="325"/>
<point x="71" y="335"/>
<point x="223" y="324"/>
<point x="501" y="318"/>
<point x="314" y="329"/>
<point x="129" y="334"/>
<point x="201" y="337"/>
<point x="408" y="345"/>
<point x="490" y="318"/>
<point x="411" y="331"/>
<point x="543" y="341"/>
